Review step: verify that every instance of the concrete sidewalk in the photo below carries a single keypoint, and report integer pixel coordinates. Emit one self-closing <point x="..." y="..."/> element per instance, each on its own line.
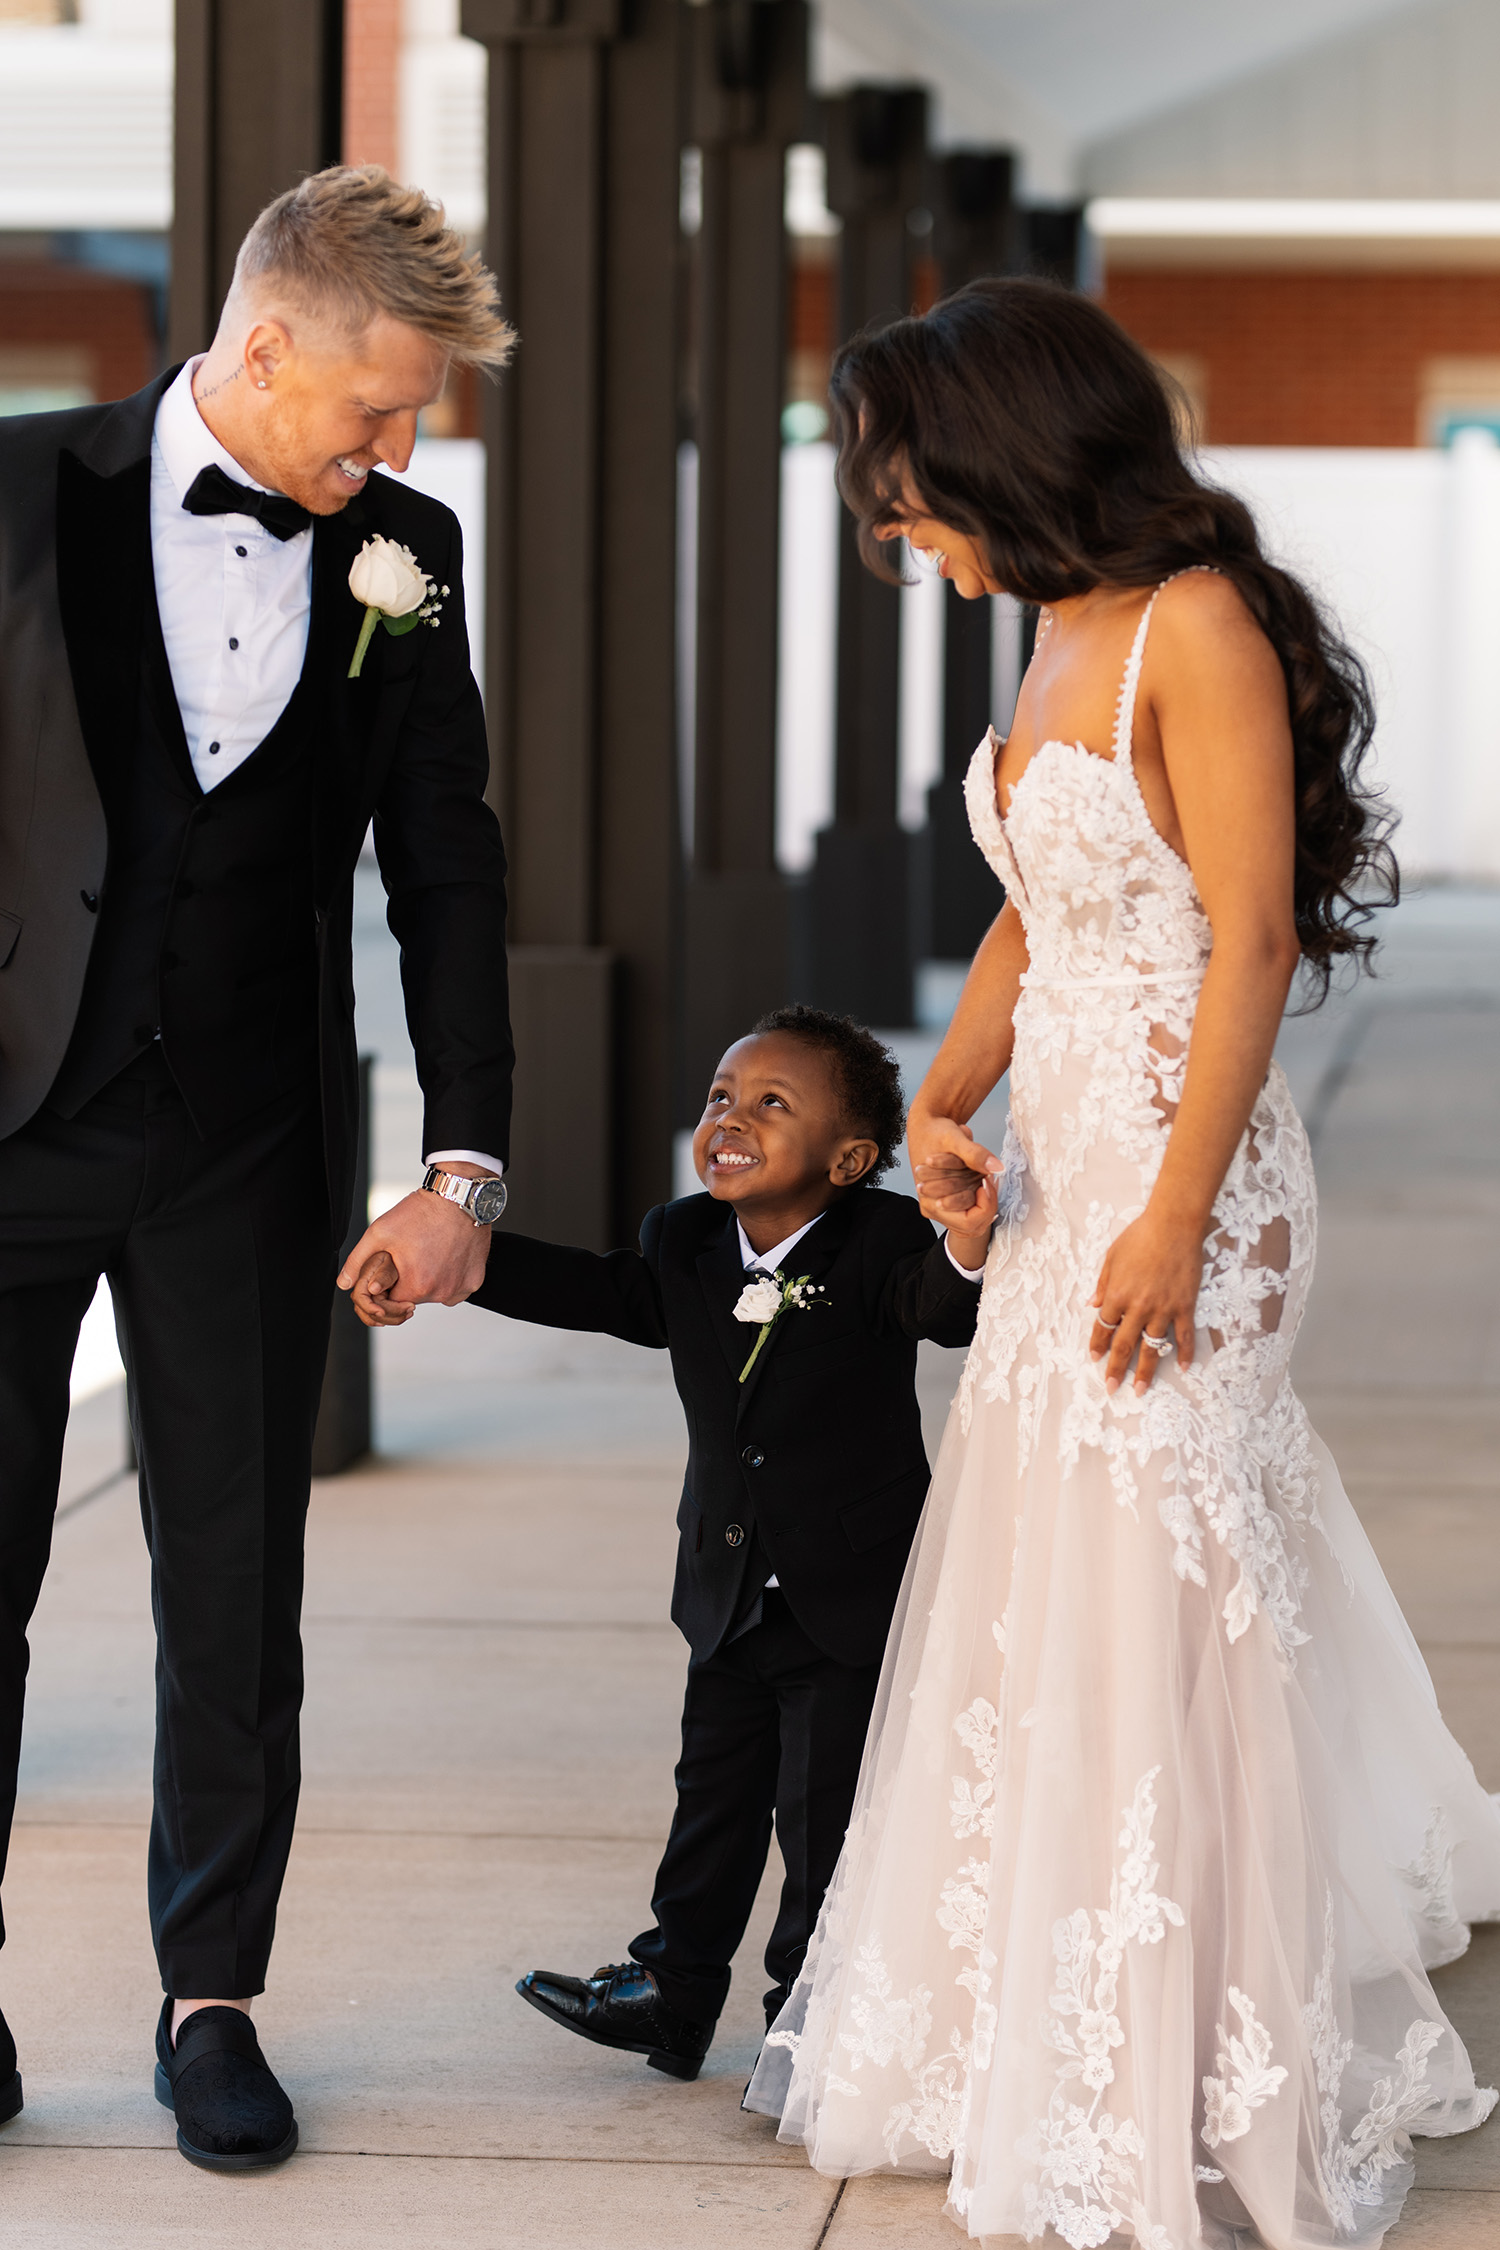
<point x="490" y="1732"/>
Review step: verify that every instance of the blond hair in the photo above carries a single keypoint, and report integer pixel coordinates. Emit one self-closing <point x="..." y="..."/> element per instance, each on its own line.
<point x="351" y="243"/>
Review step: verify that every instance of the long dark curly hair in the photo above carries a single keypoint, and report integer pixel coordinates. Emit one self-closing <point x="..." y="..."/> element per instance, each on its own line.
<point x="1025" y="417"/>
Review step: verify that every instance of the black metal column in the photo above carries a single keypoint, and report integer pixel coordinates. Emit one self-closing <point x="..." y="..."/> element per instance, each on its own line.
<point x="976" y="231"/>
<point x="858" y="899"/>
<point x="749" y="103"/>
<point x="258" y="102"/>
<point x="584" y="111"/>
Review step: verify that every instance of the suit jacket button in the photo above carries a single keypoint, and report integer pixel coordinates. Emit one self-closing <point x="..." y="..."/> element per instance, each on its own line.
<point x="753" y="1458"/>
<point x="735" y="1535"/>
<point x="90" y="900"/>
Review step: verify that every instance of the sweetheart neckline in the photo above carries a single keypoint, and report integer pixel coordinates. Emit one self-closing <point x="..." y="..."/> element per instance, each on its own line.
<point x="994" y="744"/>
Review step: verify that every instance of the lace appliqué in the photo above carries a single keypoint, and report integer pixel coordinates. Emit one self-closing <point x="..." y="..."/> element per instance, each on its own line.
<point x="1351" y="2169"/>
<point x="1431" y="1874"/>
<point x="1248" y="2079"/>
<point x="1118" y="942"/>
<point x="1087" y="2183"/>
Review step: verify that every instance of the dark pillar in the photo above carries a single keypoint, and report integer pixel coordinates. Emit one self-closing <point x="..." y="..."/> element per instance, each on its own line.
<point x="858" y="900"/>
<point x="976" y="231"/>
<point x="1053" y="241"/>
<point x="584" y="118"/>
<point x="749" y="103"/>
<point x="257" y="104"/>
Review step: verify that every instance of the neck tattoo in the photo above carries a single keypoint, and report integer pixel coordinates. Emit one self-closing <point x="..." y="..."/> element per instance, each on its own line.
<point x="222" y="384"/>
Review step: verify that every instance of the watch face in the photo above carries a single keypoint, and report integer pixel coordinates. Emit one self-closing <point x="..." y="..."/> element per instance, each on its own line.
<point x="489" y="1201"/>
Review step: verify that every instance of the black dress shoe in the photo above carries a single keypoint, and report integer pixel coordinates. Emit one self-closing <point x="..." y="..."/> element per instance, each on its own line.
<point x="232" y="2116"/>
<point x="620" y="2006"/>
<point x="10" y="2077"/>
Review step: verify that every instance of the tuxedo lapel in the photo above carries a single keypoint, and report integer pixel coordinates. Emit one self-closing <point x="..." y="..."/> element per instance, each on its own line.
<point x="813" y="1256"/>
<point x="721" y="1275"/>
<point x="103" y="577"/>
<point x="360" y="718"/>
<point x="103" y="571"/>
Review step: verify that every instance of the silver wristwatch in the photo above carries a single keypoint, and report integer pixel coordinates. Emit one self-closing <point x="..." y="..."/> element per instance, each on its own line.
<point x="483" y="1200"/>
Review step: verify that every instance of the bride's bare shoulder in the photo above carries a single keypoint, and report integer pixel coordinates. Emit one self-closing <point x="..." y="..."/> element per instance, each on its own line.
<point x="1203" y="624"/>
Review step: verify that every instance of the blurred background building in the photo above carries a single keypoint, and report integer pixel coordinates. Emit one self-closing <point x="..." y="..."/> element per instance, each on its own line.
<point x="705" y="720"/>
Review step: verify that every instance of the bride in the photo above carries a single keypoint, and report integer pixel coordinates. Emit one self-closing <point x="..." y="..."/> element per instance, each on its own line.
<point x="1159" y="1830"/>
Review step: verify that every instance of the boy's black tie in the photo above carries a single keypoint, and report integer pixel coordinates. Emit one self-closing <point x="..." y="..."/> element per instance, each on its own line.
<point x="211" y="493"/>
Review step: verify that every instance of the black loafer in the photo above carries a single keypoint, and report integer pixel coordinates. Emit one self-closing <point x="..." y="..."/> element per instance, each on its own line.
<point x="10" y="2077"/>
<point x="620" y="2006"/>
<point x="232" y="2116"/>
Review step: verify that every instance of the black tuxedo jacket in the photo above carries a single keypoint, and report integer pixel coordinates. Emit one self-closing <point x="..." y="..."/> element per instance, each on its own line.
<point x="404" y="744"/>
<point x="816" y="1461"/>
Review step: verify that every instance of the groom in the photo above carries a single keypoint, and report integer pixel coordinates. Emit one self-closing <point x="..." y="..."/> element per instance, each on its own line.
<point x="187" y="774"/>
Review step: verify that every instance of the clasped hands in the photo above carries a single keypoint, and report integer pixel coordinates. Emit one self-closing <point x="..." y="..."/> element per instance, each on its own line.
<point x="423" y="1251"/>
<point x="1145" y="1301"/>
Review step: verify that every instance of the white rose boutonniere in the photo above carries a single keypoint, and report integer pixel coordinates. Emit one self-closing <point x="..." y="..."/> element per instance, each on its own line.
<point x="395" y="590"/>
<point x="765" y="1300"/>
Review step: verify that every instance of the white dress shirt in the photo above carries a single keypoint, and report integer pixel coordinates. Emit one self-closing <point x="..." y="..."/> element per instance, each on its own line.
<point x="235" y="602"/>
<point x="234" y="599"/>
<point x="754" y="1261"/>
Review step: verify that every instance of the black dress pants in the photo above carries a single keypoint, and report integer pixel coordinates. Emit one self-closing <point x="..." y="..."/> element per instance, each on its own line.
<point x="771" y="1728"/>
<point x="221" y="1260"/>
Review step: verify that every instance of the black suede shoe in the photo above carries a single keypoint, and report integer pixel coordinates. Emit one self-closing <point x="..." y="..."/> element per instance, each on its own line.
<point x="620" y="2006"/>
<point x="10" y="2077"/>
<point x="231" y="2114"/>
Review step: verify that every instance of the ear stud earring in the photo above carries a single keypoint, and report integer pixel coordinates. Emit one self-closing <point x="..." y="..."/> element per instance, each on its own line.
<point x="260" y="386"/>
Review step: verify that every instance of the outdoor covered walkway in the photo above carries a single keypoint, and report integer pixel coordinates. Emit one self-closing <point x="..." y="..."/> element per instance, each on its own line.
<point x="490" y="1725"/>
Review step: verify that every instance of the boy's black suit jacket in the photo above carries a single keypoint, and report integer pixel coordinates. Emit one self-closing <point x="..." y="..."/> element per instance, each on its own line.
<point x="820" y="1451"/>
<point x="404" y="743"/>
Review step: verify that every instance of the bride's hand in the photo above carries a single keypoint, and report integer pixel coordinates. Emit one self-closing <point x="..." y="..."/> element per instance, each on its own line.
<point x="950" y="1168"/>
<point x="1148" y="1286"/>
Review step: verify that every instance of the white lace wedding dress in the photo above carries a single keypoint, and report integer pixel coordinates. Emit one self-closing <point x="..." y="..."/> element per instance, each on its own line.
<point x="1159" y="1827"/>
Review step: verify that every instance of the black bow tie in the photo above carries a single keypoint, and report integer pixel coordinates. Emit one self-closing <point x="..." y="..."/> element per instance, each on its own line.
<point x="211" y="493"/>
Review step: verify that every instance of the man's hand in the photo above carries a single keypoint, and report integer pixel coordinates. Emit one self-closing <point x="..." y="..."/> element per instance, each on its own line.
<point x="437" y="1252"/>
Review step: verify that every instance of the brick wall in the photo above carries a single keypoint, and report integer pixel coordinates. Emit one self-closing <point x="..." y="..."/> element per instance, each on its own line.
<point x="372" y="58"/>
<point x="44" y="305"/>
<point x="1310" y="358"/>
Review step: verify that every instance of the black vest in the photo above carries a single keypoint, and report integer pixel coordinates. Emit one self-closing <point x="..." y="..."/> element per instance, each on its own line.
<point x="206" y="923"/>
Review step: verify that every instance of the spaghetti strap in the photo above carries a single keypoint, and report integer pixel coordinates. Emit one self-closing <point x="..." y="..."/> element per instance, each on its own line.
<point x="1125" y="708"/>
<point x="1124" y="735"/>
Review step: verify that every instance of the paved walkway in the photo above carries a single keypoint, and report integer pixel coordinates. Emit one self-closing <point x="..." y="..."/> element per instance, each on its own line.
<point x="490" y="1734"/>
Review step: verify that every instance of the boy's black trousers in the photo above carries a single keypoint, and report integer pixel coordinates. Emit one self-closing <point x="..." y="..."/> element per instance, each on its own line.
<point x="771" y="1729"/>
<point x="221" y="1258"/>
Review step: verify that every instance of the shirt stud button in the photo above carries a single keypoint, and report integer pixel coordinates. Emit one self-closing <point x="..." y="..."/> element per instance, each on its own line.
<point x="753" y="1458"/>
<point x="213" y="748"/>
<point x="234" y="643"/>
<point x="735" y="1535"/>
<point x="242" y="550"/>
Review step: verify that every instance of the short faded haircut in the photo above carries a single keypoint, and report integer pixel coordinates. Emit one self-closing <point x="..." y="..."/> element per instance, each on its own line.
<point x="351" y="243"/>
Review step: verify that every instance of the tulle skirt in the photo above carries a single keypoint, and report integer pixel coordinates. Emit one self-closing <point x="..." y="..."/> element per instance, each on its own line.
<point x="1158" y="1833"/>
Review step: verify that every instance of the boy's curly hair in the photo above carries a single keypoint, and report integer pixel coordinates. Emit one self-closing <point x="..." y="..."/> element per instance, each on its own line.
<point x="867" y="1073"/>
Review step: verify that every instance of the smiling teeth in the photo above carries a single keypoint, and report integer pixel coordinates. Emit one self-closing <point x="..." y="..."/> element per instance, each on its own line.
<point x="352" y="469"/>
<point x="730" y="1156"/>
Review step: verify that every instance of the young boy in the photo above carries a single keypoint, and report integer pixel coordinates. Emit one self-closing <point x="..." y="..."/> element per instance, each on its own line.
<point x="806" y="1476"/>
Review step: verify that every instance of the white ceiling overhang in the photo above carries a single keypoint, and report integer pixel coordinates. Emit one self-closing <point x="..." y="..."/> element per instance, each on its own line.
<point x="1049" y="77"/>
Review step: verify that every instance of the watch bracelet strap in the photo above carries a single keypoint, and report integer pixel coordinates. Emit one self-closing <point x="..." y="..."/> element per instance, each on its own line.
<point x="436" y="1181"/>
